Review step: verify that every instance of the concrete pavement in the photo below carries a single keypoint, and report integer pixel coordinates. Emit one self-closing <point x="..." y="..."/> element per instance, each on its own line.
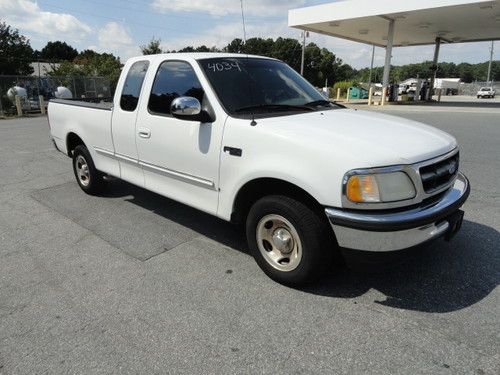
<point x="132" y="282"/>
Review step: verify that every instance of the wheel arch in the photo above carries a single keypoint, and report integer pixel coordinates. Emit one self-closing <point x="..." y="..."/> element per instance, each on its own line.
<point x="73" y="140"/>
<point x="257" y="188"/>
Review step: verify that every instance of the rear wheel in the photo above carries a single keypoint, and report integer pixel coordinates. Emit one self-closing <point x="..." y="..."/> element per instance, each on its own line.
<point x="289" y="241"/>
<point x="89" y="179"/>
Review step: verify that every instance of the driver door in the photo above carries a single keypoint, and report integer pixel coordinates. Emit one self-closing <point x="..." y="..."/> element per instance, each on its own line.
<point x="180" y="158"/>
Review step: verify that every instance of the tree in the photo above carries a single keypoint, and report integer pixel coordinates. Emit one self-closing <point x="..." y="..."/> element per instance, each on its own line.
<point x="198" y="49"/>
<point x="90" y="64"/>
<point x="15" y="52"/>
<point x="58" y="51"/>
<point x="236" y="46"/>
<point x="152" y="48"/>
<point x="288" y="50"/>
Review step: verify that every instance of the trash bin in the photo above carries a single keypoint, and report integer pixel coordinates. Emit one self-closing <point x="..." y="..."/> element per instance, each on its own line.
<point x="357" y="93"/>
<point x="393" y="92"/>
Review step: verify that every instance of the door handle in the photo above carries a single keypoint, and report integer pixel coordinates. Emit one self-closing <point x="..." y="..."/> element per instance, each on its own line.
<point x="144" y="132"/>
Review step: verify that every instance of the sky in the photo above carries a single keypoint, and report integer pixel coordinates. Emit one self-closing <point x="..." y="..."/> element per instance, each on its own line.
<point x="121" y="26"/>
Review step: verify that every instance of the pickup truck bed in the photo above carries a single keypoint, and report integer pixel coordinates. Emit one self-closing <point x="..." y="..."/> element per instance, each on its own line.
<point x="85" y="103"/>
<point x="89" y="121"/>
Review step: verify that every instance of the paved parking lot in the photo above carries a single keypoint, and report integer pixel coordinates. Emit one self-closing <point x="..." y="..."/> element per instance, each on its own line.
<point x="135" y="283"/>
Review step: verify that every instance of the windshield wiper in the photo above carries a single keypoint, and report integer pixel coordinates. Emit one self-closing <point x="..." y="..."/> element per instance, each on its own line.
<point x="324" y="103"/>
<point x="317" y="103"/>
<point x="277" y="107"/>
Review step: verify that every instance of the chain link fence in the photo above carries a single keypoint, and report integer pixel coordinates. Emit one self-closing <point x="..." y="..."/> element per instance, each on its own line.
<point x="471" y="89"/>
<point x="86" y="88"/>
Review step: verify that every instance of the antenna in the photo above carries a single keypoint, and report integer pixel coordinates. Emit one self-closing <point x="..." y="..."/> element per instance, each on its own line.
<point x="253" y="122"/>
<point x="243" y="20"/>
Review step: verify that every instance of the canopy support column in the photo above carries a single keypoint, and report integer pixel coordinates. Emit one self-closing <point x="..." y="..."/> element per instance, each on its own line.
<point x="388" y="56"/>
<point x="434" y="67"/>
<point x="371" y="67"/>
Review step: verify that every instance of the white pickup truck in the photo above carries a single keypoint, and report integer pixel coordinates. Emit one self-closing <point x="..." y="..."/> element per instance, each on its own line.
<point x="486" y="92"/>
<point x="247" y="139"/>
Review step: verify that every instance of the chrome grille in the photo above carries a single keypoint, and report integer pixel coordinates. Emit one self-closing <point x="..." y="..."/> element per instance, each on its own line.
<point x="439" y="175"/>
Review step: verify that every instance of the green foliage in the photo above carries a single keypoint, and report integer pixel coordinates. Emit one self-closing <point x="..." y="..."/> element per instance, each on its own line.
<point x="152" y="48"/>
<point x="15" y="52"/>
<point x="465" y="71"/>
<point x="90" y="63"/>
<point x="58" y="51"/>
<point x="320" y="64"/>
<point x="197" y="49"/>
<point x="236" y="46"/>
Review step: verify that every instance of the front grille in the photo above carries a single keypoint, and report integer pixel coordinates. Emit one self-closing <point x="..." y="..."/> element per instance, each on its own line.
<point x="439" y="175"/>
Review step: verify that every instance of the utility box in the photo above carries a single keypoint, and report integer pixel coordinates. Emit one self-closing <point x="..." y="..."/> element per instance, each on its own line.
<point x="358" y="93"/>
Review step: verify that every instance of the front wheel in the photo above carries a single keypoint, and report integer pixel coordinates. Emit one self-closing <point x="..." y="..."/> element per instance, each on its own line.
<point x="89" y="179"/>
<point x="290" y="242"/>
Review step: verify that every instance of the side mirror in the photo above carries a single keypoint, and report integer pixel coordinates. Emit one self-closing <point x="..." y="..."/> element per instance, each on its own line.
<point x="185" y="106"/>
<point x="189" y="108"/>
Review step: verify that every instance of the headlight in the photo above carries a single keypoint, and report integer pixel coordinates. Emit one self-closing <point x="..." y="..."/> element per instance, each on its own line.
<point x="379" y="187"/>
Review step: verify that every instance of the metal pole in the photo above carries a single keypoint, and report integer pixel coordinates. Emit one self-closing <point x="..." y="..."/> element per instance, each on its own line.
<point x="18" y="105"/>
<point x="434" y="63"/>
<point x="304" y="35"/>
<point x="491" y="61"/>
<point x="42" y="104"/>
<point x="388" y="56"/>
<point x="371" y="68"/>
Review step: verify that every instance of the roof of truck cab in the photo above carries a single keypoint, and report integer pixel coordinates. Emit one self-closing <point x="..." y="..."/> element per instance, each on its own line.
<point x="195" y="56"/>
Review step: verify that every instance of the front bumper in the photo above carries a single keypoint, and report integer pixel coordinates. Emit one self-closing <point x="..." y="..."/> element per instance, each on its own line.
<point x="385" y="231"/>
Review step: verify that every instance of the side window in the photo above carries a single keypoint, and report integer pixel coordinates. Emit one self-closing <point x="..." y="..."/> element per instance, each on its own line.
<point x="132" y="86"/>
<point x="173" y="79"/>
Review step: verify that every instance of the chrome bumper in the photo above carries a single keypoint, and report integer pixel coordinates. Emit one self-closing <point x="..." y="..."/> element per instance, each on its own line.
<point x="390" y="231"/>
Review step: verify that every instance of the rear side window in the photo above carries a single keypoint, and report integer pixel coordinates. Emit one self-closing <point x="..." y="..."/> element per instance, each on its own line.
<point x="173" y="79"/>
<point x="133" y="85"/>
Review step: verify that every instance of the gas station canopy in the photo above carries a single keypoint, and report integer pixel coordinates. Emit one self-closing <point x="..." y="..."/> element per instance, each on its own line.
<point x="417" y="22"/>
<point x="398" y="23"/>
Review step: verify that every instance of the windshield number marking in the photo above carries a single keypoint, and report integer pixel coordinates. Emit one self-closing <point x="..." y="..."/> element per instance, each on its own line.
<point x="223" y="66"/>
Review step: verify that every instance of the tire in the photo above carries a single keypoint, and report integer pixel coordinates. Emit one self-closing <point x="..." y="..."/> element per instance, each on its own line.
<point x="89" y="179"/>
<point x="290" y="242"/>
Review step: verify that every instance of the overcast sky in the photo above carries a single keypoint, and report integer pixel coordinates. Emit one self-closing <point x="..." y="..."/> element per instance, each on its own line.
<point x="121" y="26"/>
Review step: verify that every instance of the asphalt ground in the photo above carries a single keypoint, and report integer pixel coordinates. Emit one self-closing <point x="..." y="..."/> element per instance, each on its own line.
<point x="132" y="282"/>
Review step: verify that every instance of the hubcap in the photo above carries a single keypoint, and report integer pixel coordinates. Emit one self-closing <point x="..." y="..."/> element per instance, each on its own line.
<point x="82" y="170"/>
<point x="279" y="242"/>
<point x="283" y="241"/>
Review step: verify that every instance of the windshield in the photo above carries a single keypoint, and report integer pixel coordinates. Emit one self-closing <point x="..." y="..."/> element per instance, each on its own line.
<point x="261" y="87"/>
<point x="486" y="89"/>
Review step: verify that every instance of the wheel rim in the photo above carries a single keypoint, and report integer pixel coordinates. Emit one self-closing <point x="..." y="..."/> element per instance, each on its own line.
<point x="82" y="170"/>
<point x="279" y="243"/>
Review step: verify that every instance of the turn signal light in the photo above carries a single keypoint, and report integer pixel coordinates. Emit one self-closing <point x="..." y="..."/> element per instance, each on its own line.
<point x="363" y="188"/>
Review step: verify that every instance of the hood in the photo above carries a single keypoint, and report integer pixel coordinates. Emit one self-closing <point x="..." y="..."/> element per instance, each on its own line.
<point x="369" y="139"/>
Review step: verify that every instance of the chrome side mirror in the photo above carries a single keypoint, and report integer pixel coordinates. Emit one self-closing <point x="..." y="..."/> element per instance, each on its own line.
<point x="185" y="107"/>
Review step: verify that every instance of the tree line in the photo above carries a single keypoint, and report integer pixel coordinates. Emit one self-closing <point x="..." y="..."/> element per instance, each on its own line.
<point x="16" y="55"/>
<point x="321" y="65"/>
<point x="465" y="71"/>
